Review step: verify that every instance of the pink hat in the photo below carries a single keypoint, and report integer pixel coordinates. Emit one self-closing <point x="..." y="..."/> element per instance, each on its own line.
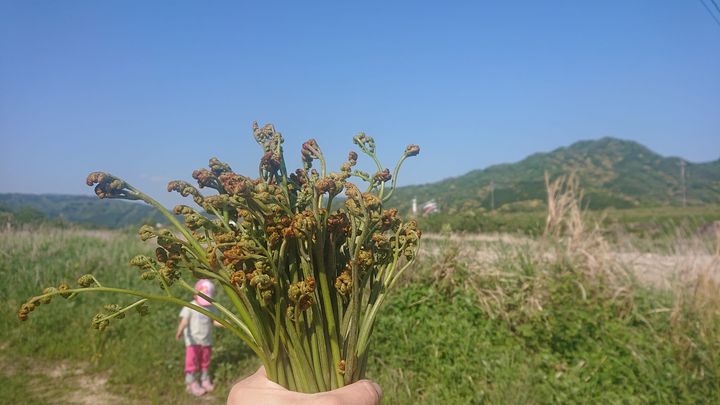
<point x="206" y="287"/>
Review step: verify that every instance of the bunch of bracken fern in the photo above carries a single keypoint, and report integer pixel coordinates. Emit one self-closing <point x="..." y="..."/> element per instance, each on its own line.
<point x="306" y="274"/>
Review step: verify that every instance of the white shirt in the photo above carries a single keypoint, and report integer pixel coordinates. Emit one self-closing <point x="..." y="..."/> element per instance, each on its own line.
<point x="199" y="327"/>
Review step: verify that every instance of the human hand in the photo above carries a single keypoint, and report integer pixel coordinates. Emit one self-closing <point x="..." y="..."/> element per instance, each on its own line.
<point x="258" y="390"/>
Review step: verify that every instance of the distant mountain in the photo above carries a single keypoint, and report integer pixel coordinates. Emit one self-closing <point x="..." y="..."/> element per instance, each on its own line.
<point x="84" y="210"/>
<point x="612" y="172"/>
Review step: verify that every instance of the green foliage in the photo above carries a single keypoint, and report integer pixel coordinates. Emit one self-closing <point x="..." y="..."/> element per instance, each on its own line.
<point x="437" y="340"/>
<point x="18" y="389"/>
<point x="651" y="222"/>
<point x="24" y="215"/>
<point x="657" y="222"/>
<point x="84" y="210"/>
<point x="27" y="215"/>
<point x="583" y="346"/>
<point x="140" y="351"/>
<point x="613" y="172"/>
<point x="531" y="223"/>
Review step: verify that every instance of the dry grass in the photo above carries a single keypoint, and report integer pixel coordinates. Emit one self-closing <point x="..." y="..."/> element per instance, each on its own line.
<point x="497" y="297"/>
<point x="497" y="266"/>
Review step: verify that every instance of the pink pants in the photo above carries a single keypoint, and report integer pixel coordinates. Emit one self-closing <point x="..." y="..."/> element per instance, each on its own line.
<point x="195" y="356"/>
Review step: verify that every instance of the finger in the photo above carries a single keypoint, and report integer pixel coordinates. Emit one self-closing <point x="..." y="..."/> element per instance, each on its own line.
<point x="253" y="378"/>
<point x="363" y="392"/>
<point x="259" y="379"/>
<point x="261" y="372"/>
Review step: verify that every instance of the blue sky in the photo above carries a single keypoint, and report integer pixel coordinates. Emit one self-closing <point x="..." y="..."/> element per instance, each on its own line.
<point x="150" y="90"/>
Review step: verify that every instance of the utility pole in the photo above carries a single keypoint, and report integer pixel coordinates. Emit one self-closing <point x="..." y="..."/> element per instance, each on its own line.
<point x="682" y="182"/>
<point x="492" y="195"/>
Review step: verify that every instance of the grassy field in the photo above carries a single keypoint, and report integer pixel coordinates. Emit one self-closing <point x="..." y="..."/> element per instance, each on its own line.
<point x="648" y="222"/>
<point x="479" y="319"/>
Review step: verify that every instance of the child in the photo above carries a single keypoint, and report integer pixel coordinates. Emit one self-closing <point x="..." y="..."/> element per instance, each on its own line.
<point x="197" y="330"/>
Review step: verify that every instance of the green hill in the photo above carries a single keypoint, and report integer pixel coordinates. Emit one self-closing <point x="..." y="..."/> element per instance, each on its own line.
<point x="85" y="210"/>
<point x="612" y="172"/>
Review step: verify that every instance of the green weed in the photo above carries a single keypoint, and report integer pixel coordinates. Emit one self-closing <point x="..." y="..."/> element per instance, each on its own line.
<point x="525" y="322"/>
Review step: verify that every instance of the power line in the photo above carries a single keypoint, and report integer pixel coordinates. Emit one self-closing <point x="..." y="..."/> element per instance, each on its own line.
<point x="716" y="5"/>
<point x="710" y="11"/>
<point x="682" y="179"/>
<point x="492" y="195"/>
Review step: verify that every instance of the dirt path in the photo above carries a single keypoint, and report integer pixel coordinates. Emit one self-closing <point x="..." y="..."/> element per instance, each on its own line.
<point x="63" y="382"/>
<point x="662" y="271"/>
<point x="85" y="388"/>
<point x="57" y="382"/>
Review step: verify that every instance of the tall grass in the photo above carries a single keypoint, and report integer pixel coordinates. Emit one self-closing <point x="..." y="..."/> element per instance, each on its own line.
<point x="481" y="319"/>
<point x="141" y="353"/>
<point x="559" y="318"/>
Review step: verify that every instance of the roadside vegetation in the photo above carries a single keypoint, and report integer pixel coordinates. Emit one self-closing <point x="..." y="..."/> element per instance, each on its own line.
<point x="559" y="314"/>
<point x="648" y="222"/>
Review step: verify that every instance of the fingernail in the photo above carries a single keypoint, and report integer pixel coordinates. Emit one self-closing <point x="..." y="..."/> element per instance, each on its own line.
<point x="377" y="388"/>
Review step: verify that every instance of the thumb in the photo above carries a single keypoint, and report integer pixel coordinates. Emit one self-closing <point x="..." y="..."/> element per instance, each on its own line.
<point x="363" y="392"/>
